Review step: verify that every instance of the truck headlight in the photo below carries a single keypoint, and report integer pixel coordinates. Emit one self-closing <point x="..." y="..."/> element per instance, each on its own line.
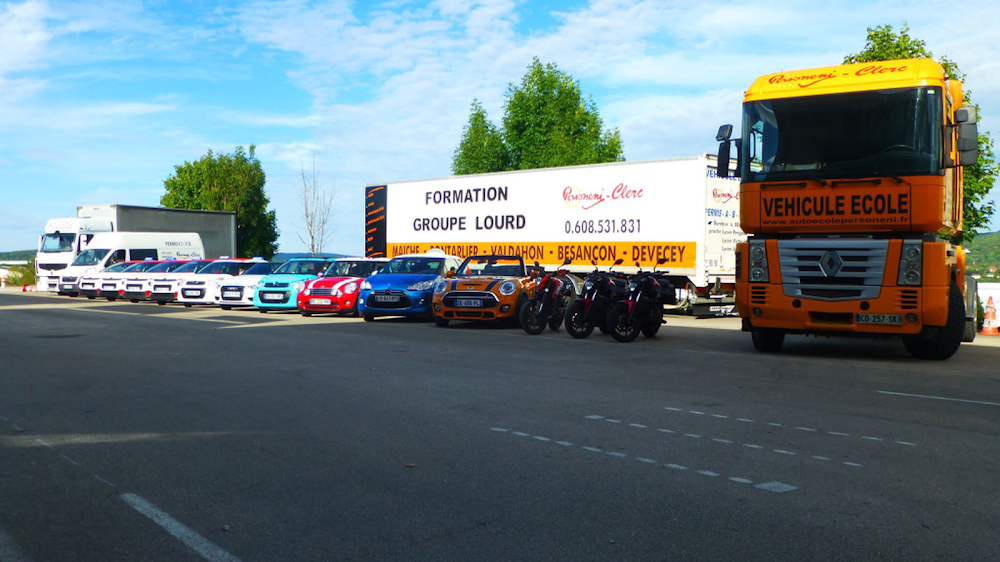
<point x="507" y="288"/>
<point x="758" y="262"/>
<point x="366" y="286"/>
<point x="421" y="286"/>
<point x="911" y="263"/>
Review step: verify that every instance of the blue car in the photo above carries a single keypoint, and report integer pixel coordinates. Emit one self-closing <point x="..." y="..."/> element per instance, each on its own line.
<point x="405" y="286"/>
<point x="280" y="290"/>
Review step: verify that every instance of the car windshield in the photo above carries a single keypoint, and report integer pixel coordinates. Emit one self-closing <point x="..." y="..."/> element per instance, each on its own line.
<point x="58" y="242"/>
<point x="416" y="265"/>
<point x="165" y="267"/>
<point x="224" y="268"/>
<point x="863" y="134"/>
<point x="301" y="267"/>
<point x="502" y="266"/>
<point x="260" y="269"/>
<point x="139" y="267"/>
<point x="92" y="256"/>
<point x="348" y="268"/>
<point x="191" y="266"/>
<point x="120" y="266"/>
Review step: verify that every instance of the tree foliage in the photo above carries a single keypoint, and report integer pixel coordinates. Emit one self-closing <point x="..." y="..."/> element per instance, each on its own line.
<point x="547" y="122"/>
<point x="228" y="182"/>
<point x="885" y="44"/>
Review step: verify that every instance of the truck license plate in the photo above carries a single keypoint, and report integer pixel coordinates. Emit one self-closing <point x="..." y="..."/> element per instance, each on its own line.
<point x="319" y="301"/>
<point x="231" y="294"/>
<point x="468" y="303"/>
<point x="386" y="298"/>
<point x="272" y="296"/>
<point x="888" y="319"/>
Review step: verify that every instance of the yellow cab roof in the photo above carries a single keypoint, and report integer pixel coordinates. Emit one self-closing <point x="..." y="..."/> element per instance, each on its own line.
<point x="882" y="75"/>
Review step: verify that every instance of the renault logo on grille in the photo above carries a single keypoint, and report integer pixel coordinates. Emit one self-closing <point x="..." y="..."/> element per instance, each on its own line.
<point x="830" y="264"/>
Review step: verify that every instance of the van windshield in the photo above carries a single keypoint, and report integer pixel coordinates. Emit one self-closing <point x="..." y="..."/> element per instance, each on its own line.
<point x="58" y="242"/>
<point x="92" y="256"/>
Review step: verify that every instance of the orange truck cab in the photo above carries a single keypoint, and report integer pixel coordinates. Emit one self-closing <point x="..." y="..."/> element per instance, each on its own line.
<point x="850" y="191"/>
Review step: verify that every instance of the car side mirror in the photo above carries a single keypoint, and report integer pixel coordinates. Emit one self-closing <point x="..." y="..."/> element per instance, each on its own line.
<point x="450" y="273"/>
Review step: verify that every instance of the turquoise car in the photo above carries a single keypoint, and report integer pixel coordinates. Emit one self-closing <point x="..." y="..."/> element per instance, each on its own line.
<point x="279" y="290"/>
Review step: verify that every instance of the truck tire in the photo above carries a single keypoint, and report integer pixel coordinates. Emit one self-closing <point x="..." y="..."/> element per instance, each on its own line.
<point x="970" y="331"/>
<point x="767" y="341"/>
<point x="947" y="340"/>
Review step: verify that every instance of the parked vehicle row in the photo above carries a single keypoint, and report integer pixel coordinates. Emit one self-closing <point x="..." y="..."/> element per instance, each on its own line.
<point x="432" y="285"/>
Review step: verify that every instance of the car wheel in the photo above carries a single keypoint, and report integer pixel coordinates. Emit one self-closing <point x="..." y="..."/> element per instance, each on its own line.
<point x="440" y="322"/>
<point x="304" y="313"/>
<point x="369" y="317"/>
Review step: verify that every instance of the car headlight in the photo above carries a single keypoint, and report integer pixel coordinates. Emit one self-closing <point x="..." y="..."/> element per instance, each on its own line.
<point x="366" y="286"/>
<point x="298" y="285"/>
<point x="349" y="288"/>
<point x="507" y="288"/>
<point x="441" y="287"/>
<point x="307" y="291"/>
<point x="421" y="286"/>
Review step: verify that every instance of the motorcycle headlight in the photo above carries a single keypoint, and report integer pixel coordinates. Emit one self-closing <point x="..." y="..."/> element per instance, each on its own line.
<point x="588" y="285"/>
<point x="298" y="285"/>
<point x="441" y="286"/>
<point x="421" y="286"/>
<point x="366" y="286"/>
<point x="349" y="288"/>
<point x="507" y="288"/>
<point x="632" y="286"/>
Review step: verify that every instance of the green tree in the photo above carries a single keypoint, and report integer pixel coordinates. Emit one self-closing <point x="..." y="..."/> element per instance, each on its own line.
<point x="482" y="148"/>
<point x="547" y="122"/>
<point x="228" y="182"/>
<point x="885" y="44"/>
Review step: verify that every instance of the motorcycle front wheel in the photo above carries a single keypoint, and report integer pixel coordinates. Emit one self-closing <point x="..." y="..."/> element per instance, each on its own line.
<point x="531" y="319"/>
<point x="577" y="323"/>
<point x="622" y="327"/>
<point x="654" y="321"/>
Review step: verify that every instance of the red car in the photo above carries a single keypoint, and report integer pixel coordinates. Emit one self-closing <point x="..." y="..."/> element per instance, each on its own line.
<point x="337" y="289"/>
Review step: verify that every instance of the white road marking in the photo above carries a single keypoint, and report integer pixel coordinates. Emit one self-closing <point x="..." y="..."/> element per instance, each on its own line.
<point x="645" y="460"/>
<point x="69" y="460"/>
<point x="720" y="416"/>
<point x="43" y="443"/>
<point x="852" y="464"/>
<point x="10" y="551"/>
<point x="592" y="449"/>
<point x="609" y="420"/>
<point x="565" y="443"/>
<point x="905" y="443"/>
<point x="805" y="429"/>
<point x="752" y="446"/>
<point x="672" y="409"/>
<point x="707" y="472"/>
<point x="17" y="427"/>
<point x="639" y="425"/>
<point x="616" y="454"/>
<point x="666" y="430"/>
<point x="783" y="452"/>
<point x="519" y="433"/>
<point x="692" y="435"/>
<point x="726" y="441"/>
<point x="204" y="547"/>
<point x="540" y="438"/>
<point x="839" y="434"/>
<point x="872" y="438"/>
<point x="776" y="424"/>
<point x="500" y="429"/>
<point x="744" y="420"/>
<point x="593" y="417"/>
<point x="819" y="458"/>
<point x="741" y="480"/>
<point x="103" y="481"/>
<point x="676" y="466"/>
<point x="696" y="412"/>
<point x="775" y="487"/>
<point x="939" y="398"/>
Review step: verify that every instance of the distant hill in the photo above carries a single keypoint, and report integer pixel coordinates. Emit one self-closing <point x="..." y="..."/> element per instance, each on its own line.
<point x="984" y="251"/>
<point x="18" y="255"/>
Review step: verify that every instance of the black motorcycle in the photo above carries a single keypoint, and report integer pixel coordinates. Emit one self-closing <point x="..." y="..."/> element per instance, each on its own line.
<point x="642" y="308"/>
<point x="552" y="292"/>
<point x="601" y="289"/>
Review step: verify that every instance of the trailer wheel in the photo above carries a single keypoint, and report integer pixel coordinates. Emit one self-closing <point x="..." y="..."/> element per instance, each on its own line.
<point x="946" y="341"/>
<point x="767" y="341"/>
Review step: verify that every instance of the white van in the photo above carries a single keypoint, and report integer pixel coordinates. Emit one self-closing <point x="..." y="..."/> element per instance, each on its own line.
<point x="109" y="248"/>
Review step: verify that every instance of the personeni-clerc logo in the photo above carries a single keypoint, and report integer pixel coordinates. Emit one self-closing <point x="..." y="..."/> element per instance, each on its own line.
<point x="577" y="197"/>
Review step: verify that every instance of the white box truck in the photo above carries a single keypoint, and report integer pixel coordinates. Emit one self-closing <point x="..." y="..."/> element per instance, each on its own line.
<point x="678" y="210"/>
<point x="63" y="239"/>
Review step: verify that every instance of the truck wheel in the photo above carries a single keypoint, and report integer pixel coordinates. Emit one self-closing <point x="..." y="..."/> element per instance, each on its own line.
<point x="767" y="341"/>
<point x="970" y="331"/>
<point x="440" y="322"/>
<point x="947" y="340"/>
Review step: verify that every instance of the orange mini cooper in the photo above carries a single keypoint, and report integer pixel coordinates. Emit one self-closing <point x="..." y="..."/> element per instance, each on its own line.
<point x="487" y="287"/>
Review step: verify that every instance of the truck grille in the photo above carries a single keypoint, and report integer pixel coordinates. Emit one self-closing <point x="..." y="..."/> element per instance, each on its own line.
<point x="52" y="266"/>
<point x="832" y="269"/>
<point x="908" y="299"/>
<point x="758" y="294"/>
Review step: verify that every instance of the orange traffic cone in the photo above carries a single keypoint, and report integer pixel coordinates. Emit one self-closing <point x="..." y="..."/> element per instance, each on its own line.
<point x="990" y="322"/>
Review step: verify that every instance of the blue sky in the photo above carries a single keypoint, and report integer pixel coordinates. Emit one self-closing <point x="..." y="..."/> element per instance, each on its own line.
<point x="99" y="100"/>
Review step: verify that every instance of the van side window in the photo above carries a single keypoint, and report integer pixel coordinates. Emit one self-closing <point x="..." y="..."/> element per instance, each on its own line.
<point x="116" y="257"/>
<point x="139" y="255"/>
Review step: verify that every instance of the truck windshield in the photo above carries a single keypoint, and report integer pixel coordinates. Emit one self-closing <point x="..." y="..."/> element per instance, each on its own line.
<point x="883" y="133"/>
<point x="58" y="242"/>
<point x="92" y="256"/>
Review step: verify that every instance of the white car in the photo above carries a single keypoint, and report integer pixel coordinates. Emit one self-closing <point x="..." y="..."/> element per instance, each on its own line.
<point x="238" y="291"/>
<point x="135" y="286"/>
<point x="90" y="284"/>
<point x="166" y="287"/>
<point x="108" y="283"/>
<point x="203" y="286"/>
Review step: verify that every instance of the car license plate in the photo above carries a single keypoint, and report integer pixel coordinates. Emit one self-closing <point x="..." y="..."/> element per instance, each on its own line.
<point x="161" y="289"/>
<point x="191" y="293"/>
<point x="272" y="296"/>
<point x="386" y="298"/>
<point x="320" y="301"/>
<point x="67" y="286"/>
<point x="134" y="288"/>
<point x="889" y="319"/>
<point x="105" y="286"/>
<point x="231" y="294"/>
<point x="469" y="303"/>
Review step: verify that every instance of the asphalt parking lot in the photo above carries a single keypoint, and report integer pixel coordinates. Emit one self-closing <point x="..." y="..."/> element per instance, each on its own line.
<point x="137" y="432"/>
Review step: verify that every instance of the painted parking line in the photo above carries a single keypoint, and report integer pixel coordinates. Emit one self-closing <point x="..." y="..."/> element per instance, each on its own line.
<point x="943" y="398"/>
<point x="9" y="550"/>
<point x="813" y="429"/>
<point x="204" y="547"/>
<point x="766" y="486"/>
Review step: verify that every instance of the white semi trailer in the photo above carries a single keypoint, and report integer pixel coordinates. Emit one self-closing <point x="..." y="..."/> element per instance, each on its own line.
<point x="641" y="212"/>
<point x="65" y="238"/>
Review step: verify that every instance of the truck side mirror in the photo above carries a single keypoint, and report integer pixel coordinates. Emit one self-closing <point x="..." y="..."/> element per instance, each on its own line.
<point x="965" y="115"/>
<point x="967" y="143"/>
<point x="722" y="165"/>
